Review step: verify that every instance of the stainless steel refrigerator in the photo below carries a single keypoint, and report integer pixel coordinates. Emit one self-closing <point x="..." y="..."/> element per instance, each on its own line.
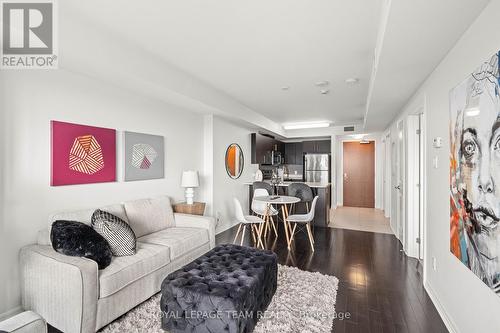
<point x="317" y="168"/>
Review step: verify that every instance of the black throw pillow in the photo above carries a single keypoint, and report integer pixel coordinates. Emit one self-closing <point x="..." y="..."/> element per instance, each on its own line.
<point x="77" y="239"/>
<point x="118" y="233"/>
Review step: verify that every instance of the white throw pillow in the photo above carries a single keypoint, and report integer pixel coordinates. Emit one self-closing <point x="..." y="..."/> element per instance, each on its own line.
<point x="146" y="216"/>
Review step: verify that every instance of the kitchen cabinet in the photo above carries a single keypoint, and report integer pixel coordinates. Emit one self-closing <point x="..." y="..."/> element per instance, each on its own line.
<point x="293" y="153"/>
<point x="309" y="146"/>
<point x="261" y="146"/>
<point x="290" y="153"/>
<point x="317" y="147"/>
<point x="299" y="153"/>
<point x="324" y="146"/>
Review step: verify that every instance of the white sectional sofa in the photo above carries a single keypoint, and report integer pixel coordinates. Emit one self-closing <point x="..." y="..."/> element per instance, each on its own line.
<point x="24" y="322"/>
<point x="71" y="294"/>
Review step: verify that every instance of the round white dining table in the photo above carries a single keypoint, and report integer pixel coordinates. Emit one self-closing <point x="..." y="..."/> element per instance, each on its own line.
<point x="282" y="200"/>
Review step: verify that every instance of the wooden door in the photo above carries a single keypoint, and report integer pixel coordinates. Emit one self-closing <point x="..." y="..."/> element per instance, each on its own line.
<point x="359" y="174"/>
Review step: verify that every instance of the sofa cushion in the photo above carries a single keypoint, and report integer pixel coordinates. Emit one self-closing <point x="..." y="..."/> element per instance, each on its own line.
<point x="77" y="239"/>
<point x="180" y="240"/>
<point x="117" y="232"/>
<point x="125" y="270"/>
<point x="149" y="215"/>
<point x="85" y="215"/>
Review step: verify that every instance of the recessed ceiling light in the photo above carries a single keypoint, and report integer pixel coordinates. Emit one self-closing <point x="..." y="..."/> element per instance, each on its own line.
<point x="322" y="83"/>
<point x="315" y="124"/>
<point x="324" y="91"/>
<point x="352" y="80"/>
<point x="285" y="88"/>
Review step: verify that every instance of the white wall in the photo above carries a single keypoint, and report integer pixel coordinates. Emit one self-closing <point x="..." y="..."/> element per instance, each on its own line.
<point x="224" y="187"/>
<point x="28" y="102"/>
<point x="339" y="161"/>
<point x="465" y="302"/>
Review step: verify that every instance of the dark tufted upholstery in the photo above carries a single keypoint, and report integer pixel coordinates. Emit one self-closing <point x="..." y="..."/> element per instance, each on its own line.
<point x="301" y="191"/>
<point x="224" y="290"/>
<point x="266" y="186"/>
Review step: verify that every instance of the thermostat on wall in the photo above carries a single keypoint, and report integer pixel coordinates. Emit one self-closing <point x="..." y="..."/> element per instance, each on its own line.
<point x="437" y="142"/>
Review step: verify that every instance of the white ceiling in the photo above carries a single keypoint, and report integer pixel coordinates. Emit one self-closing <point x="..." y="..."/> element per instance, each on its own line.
<point x="418" y="35"/>
<point x="250" y="49"/>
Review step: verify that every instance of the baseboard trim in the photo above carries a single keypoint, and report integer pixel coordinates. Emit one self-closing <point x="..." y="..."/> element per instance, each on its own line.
<point x="11" y="312"/>
<point x="441" y="310"/>
<point x="224" y="228"/>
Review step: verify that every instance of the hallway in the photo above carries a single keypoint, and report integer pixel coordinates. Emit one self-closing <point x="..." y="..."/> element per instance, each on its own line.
<point x="380" y="287"/>
<point x="361" y="219"/>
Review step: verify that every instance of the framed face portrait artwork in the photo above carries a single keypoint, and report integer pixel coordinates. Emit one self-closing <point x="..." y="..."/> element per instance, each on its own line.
<point x="475" y="172"/>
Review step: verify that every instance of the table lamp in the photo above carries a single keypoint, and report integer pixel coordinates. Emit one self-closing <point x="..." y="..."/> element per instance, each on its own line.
<point x="190" y="181"/>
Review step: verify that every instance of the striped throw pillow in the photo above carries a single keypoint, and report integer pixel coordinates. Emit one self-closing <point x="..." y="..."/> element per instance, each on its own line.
<point x="118" y="233"/>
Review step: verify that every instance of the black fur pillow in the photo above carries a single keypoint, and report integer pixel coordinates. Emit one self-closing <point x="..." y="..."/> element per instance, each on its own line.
<point x="80" y="240"/>
<point x="118" y="233"/>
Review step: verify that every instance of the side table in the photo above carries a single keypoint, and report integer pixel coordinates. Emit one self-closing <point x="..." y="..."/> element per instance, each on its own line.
<point x="197" y="208"/>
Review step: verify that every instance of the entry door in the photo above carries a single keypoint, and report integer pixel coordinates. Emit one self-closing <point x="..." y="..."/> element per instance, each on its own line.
<point x="359" y="174"/>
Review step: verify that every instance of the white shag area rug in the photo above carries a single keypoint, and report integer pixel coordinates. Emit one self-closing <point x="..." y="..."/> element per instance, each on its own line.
<point x="304" y="302"/>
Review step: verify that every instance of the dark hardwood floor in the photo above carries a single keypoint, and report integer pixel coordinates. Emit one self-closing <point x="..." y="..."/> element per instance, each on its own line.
<point x="380" y="287"/>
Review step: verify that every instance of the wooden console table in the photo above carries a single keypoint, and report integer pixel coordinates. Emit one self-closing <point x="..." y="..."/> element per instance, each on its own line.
<point x="197" y="208"/>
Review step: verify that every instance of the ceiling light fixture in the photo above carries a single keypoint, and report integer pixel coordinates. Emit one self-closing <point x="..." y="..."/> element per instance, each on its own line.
<point x="322" y="83"/>
<point x="324" y="91"/>
<point x="352" y="80"/>
<point x="315" y="124"/>
<point x="285" y="88"/>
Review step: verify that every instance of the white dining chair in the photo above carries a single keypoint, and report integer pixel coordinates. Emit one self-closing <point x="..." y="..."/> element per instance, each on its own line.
<point x="255" y="224"/>
<point x="303" y="219"/>
<point x="264" y="210"/>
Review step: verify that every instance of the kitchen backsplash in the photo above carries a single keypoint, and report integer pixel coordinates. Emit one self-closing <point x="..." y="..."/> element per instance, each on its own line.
<point x="292" y="168"/>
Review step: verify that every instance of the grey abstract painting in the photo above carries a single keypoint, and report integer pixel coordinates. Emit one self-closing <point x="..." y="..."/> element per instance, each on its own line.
<point x="144" y="156"/>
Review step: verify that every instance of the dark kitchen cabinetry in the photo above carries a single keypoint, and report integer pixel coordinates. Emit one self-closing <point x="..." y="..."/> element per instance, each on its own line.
<point x="262" y="145"/>
<point x="299" y="153"/>
<point x="293" y="153"/>
<point x="317" y="147"/>
<point x="290" y="153"/>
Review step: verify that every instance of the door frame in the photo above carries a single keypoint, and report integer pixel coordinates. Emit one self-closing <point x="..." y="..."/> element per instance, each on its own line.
<point x="374" y="169"/>
<point x="387" y="175"/>
<point x="340" y="168"/>
<point x="410" y="219"/>
<point x="413" y="182"/>
<point x="417" y="183"/>
<point x="400" y="186"/>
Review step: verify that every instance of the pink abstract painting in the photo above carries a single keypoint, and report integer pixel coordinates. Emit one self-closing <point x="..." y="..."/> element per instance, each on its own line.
<point x="82" y="154"/>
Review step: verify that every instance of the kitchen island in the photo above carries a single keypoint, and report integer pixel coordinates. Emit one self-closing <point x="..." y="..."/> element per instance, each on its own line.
<point x="322" y="190"/>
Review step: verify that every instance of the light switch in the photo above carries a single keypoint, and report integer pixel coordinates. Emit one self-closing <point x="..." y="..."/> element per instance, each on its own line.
<point x="435" y="162"/>
<point x="437" y="142"/>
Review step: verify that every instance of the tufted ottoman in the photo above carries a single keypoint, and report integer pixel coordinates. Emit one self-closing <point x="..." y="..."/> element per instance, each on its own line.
<point x="225" y="290"/>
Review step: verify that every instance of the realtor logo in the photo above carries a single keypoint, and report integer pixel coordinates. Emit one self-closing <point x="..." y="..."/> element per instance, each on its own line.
<point x="28" y="35"/>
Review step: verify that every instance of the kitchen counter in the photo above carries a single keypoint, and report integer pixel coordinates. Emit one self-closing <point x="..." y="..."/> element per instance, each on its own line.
<point x="287" y="183"/>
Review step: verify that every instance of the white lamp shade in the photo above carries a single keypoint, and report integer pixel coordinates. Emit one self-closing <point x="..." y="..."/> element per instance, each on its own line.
<point x="190" y="179"/>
